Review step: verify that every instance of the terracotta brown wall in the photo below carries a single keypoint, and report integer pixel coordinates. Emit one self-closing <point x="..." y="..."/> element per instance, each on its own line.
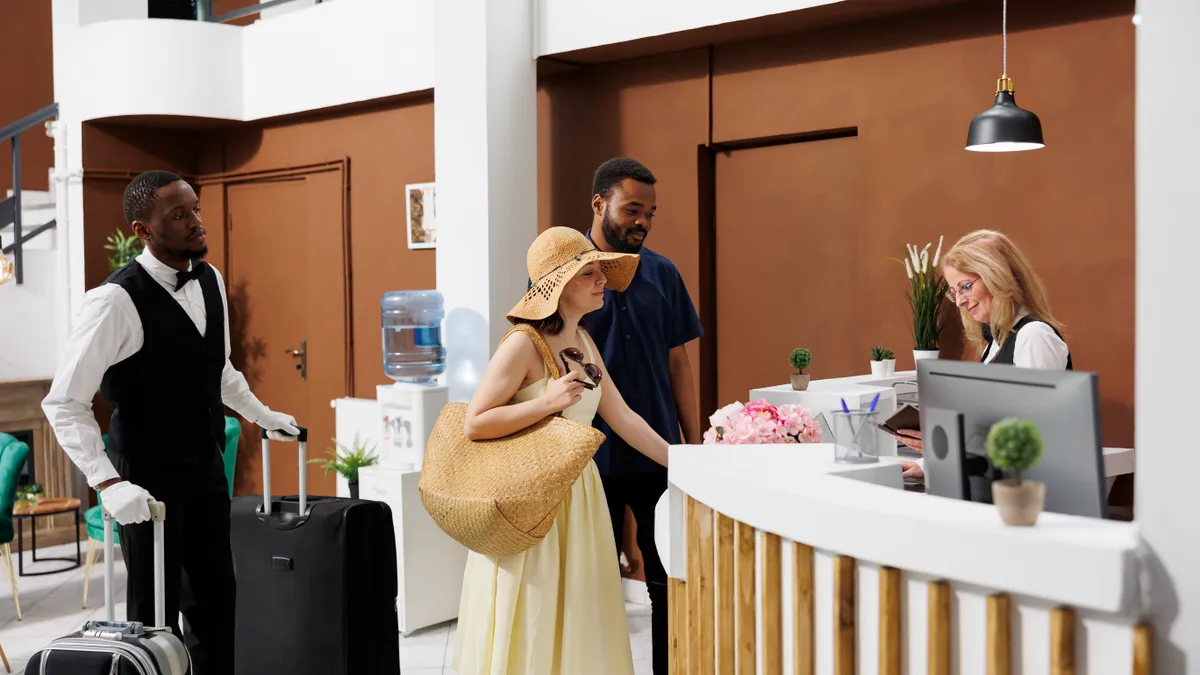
<point x="27" y="60"/>
<point x="910" y="85"/>
<point x="387" y="145"/>
<point x="654" y="110"/>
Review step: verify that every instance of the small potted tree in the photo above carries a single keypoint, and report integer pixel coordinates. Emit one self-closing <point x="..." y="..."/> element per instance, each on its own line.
<point x="800" y="359"/>
<point x="883" y="362"/>
<point x="1015" y="445"/>
<point x="348" y="461"/>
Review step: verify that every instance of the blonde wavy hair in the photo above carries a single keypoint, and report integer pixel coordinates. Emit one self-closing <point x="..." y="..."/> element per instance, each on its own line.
<point x="1008" y="276"/>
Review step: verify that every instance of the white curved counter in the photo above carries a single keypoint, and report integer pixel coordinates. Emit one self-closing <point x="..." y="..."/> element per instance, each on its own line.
<point x="861" y="512"/>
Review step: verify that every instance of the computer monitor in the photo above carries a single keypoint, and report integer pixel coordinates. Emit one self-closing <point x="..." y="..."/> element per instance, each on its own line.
<point x="961" y="400"/>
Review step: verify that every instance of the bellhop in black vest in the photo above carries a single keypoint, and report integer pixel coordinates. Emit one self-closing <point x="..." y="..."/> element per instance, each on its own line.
<point x="166" y="435"/>
<point x="1008" y="349"/>
<point x="171" y="389"/>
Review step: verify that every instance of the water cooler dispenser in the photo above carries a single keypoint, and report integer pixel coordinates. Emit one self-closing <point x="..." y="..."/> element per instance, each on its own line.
<point x="429" y="563"/>
<point x="413" y="356"/>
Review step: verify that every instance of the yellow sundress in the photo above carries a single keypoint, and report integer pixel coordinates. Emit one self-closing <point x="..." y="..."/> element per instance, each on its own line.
<point x="557" y="608"/>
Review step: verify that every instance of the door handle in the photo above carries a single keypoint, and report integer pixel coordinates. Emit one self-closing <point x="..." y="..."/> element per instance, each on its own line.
<point x="302" y="353"/>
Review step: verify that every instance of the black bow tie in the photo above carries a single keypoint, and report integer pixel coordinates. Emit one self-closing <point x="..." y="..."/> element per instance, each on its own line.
<point x="181" y="278"/>
<point x="987" y="332"/>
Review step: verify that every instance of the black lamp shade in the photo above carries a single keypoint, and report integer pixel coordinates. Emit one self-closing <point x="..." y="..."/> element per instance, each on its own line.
<point x="1005" y="128"/>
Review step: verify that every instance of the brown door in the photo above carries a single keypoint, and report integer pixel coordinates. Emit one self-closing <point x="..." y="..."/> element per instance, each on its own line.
<point x="789" y="242"/>
<point x="287" y="289"/>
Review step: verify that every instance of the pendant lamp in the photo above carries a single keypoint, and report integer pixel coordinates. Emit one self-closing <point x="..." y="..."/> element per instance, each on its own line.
<point x="1005" y="127"/>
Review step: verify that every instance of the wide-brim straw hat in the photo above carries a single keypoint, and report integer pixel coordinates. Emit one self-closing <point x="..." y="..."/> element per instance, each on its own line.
<point x="555" y="257"/>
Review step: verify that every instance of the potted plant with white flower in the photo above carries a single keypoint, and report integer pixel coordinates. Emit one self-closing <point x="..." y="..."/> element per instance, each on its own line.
<point x="926" y="290"/>
<point x="1015" y="445"/>
<point x="883" y="362"/>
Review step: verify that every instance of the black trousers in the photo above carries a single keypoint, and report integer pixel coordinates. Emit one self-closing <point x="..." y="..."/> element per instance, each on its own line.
<point x="199" y="577"/>
<point x="641" y="492"/>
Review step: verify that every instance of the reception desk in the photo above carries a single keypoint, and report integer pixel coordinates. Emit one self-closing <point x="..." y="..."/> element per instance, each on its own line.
<point x="779" y="556"/>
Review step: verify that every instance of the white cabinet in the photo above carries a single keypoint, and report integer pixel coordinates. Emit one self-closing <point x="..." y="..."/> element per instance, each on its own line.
<point x="429" y="563"/>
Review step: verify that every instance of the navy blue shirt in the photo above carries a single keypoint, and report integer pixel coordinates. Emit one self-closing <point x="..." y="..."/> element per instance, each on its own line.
<point x="635" y="332"/>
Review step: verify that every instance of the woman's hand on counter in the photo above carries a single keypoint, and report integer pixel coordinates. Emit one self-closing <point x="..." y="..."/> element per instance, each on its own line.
<point x="911" y="438"/>
<point x="911" y="469"/>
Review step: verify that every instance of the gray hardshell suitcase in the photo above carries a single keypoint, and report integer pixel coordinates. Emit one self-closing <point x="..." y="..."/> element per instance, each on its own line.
<point x="120" y="647"/>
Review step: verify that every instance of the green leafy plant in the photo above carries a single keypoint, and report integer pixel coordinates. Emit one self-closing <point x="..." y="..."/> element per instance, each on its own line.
<point x="1014" y="445"/>
<point x="347" y="461"/>
<point x="30" y="493"/>
<point x="882" y="354"/>
<point x="124" y="249"/>
<point x="926" y="290"/>
<point x="800" y="359"/>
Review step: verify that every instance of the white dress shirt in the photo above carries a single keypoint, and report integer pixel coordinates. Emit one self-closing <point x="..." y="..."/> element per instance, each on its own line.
<point x="1037" y="346"/>
<point x="108" y="331"/>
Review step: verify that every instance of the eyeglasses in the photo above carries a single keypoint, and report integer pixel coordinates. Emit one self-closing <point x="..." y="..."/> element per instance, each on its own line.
<point x="590" y="369"/>
<point x="963" y="290"/>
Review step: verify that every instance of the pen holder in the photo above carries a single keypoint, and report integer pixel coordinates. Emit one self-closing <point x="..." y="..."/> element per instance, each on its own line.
<point x="856" y="437"/>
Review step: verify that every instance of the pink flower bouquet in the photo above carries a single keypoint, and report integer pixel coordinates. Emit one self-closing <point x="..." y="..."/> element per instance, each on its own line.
<point x="760" y="423"/>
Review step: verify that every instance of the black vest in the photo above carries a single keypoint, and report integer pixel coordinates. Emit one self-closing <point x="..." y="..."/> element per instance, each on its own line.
<point x="166" y="398"/>
<point x="1008" y="349"/>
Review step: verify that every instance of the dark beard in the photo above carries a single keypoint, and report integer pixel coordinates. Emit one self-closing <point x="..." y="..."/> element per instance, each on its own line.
<point x="189" y="255"/>
<point x="613" y="237"/>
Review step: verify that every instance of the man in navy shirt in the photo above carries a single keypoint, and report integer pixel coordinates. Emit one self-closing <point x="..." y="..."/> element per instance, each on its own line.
<point x="641" y="334"/>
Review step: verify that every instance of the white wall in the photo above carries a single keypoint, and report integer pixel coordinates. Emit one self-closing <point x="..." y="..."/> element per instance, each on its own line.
<point x="336" y="53"/>
<point x="567" y="25"/>
<point x="1168" y="327"/>
<point x="326" y="55"/>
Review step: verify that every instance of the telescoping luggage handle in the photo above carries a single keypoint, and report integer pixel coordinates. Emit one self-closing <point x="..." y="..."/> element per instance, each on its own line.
<point x="158" y="514"/>
<point x="266" y="463"/>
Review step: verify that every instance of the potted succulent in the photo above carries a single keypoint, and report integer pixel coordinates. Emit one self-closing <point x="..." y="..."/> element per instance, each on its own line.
<point x="1015" y="445"/>
<point x="30" y="494"/>
<point x="926" y="291"/>
<point x="348" y="461"/>
<point x="883" y="362"/>
<point x="800" y="359"/>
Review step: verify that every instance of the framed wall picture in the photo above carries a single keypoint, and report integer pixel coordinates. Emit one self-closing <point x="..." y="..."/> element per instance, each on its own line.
<point x="422" y="215"/>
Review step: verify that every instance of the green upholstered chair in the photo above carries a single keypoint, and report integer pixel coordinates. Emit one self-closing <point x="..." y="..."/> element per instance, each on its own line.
<point x="94" y="517"/>
<point x="12" y="459"/>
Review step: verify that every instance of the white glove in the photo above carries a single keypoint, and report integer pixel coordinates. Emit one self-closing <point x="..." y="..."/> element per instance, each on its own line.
<point x="127" y="502"/>
<point x="279" y="426"/>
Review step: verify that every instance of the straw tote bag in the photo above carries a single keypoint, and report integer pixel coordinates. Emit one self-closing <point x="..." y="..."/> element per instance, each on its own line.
<point x="500" y="496"/>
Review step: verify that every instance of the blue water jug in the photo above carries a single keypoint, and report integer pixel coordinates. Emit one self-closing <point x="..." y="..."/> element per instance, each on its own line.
<point x="412" y="336"/>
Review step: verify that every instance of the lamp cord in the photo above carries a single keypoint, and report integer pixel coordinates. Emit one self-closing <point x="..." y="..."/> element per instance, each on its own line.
<point x="1004" y="35"/>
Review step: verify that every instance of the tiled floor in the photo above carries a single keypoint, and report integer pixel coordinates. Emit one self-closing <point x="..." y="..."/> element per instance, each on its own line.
<point x="52" y="607"/>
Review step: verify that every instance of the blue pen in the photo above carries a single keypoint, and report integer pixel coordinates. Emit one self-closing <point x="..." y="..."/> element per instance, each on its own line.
<point x="874" y="401"/>
<point x="845" y="409"/>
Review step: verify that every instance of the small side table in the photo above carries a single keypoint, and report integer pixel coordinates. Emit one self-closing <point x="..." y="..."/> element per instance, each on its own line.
<point x="44" y="507"/>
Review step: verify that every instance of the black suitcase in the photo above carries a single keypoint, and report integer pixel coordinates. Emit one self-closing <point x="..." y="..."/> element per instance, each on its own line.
<point x="316" y="582"/>
<point x="120" y="647"/>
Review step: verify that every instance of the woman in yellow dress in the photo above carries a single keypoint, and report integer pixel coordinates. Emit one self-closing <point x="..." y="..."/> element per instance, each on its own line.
<point x="557" y="608"/>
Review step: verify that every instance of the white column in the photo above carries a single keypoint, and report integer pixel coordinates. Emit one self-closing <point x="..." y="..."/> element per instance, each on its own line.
<point x="1168" y="326"/>
<point x="485" y="130"/>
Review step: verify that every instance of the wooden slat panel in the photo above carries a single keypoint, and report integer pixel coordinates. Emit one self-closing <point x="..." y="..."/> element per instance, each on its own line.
<point x="1143" y="649"/>
<point x="890" y="611"/>
<point x="701" y="605"/>
<point x="726" y="637"/>
<point x="939" y="628"/>
<point x="1062" y="641"/>
<point x="746" y="642"/>
<point x="802" y="609"/>
<point x="843" y="615"/>
<point x="677" y="663"/>
<point x="772" y="609"/>
<point x="999" y="635"/>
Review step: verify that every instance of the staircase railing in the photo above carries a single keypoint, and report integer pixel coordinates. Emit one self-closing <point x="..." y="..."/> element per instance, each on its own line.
<point x="10" y="209"/>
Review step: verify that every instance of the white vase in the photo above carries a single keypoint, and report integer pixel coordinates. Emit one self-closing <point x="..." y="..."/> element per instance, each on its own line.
<point x="922" y="354"/>
<point x="883" y="368"/>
